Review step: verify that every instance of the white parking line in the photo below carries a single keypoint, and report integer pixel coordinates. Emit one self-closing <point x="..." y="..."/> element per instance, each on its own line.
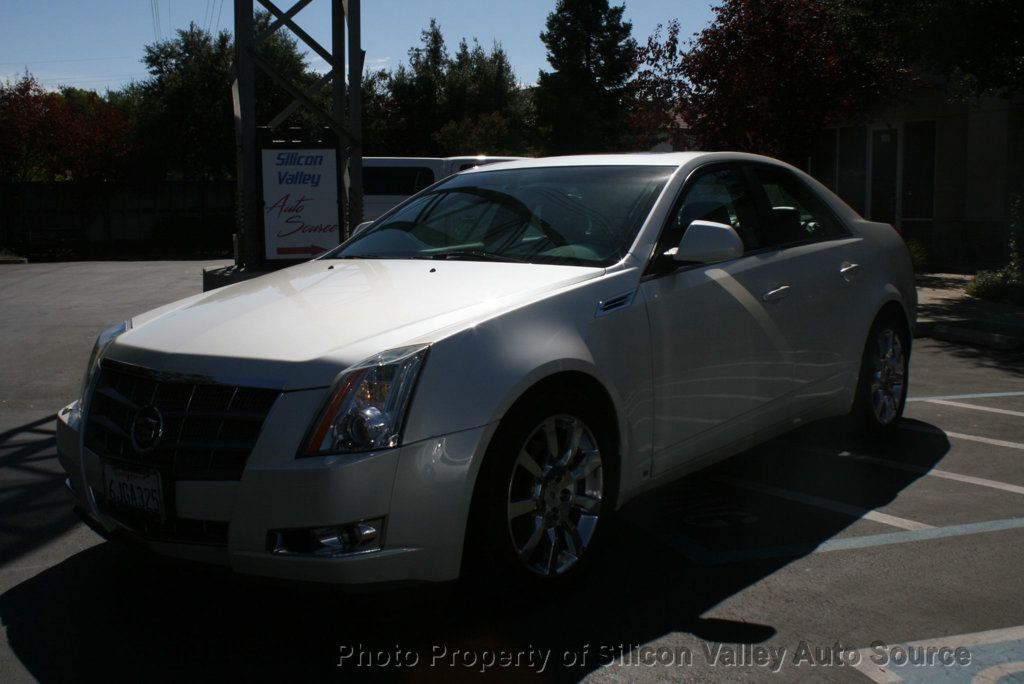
<point x="908" y="467"/>
<point x="958" y="404"/>
<point x="960" y="435"/>
<point x="977" y="395"/>
<point x="829" y="505"/>
<point x="700" y="554"/>
<point x="935" y="472"/>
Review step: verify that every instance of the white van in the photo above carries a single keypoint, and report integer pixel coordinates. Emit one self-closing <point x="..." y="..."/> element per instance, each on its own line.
<point x="389" y="180"/>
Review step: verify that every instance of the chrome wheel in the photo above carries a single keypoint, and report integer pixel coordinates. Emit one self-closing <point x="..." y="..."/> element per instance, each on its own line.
<point x="888" y="376"/>
<point x="554" y="495"/>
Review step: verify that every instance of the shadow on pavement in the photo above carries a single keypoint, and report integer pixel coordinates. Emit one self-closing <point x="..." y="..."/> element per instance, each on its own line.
<point x="1011" y="363"/>
<point x="33" y="506"/>
<point x="950" y="305"/>
<point x="108" y="612"/>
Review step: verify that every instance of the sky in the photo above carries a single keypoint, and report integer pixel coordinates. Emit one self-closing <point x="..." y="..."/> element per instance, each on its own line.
<point x="98" y="44"/>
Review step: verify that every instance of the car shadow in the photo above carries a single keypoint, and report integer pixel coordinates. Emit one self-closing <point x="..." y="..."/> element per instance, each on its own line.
<point x="110" y="611"/>
<point x="33" y="506"/>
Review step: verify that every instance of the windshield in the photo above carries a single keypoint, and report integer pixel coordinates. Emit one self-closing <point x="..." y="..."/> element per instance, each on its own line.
<point x="586" y="216"/>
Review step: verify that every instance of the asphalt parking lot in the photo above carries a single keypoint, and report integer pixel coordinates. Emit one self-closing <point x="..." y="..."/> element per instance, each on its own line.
<point x="813" y="556"/>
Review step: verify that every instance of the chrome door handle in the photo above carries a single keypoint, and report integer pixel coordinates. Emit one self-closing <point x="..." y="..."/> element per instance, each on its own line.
<point x="777" y="293"/>
<point x="848" y="270"/>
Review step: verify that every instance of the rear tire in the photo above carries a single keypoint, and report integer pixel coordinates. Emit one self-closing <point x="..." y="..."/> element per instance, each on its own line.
<point x="884" y="375"/>
<point x="544" y="492"/>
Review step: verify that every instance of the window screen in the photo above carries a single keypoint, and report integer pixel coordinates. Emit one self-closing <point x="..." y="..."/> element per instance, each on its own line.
<point x="396" y="180"/>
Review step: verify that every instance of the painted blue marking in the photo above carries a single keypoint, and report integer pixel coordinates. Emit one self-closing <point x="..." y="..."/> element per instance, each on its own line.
<point x="980" y="395"/>
<point x="704" y="556"/>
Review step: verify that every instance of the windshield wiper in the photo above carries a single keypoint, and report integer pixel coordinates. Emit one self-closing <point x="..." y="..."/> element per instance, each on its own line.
<point x="381" y="255"/>
<point x="470" y="255"/>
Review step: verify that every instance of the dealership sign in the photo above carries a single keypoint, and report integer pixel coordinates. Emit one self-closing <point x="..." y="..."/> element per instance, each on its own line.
<point x="300" y="202"/>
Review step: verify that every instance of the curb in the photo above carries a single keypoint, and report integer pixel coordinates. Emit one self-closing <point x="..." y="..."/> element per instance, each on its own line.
<point x="966" y="335"/>
<point x="13" y="260"/>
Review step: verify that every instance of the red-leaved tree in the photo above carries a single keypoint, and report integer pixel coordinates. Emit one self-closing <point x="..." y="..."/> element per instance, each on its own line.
<point x="70" y="135"/>
<point x="660" y="88"/>
<point x="94" y="138"/>
<point x="765" y="76"/>
<point x="28" y="132"/>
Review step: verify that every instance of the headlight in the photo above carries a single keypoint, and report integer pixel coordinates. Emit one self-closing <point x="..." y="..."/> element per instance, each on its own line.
<point x="368" y="404"/>
<point x="105" y="339"/>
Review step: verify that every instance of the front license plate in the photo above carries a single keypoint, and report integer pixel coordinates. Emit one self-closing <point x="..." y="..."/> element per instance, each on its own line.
<point x="138" y="489"/>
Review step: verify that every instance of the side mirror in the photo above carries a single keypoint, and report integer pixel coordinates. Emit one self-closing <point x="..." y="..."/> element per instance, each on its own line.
<point x="706" y="242"/>
<point x="361" y="227"/>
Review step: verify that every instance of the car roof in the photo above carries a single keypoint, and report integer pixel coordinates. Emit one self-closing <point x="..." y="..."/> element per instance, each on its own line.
<point x="675" y="159"/>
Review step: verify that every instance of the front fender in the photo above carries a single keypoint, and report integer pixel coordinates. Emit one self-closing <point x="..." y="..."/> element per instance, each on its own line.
<point x="474" y="376"/>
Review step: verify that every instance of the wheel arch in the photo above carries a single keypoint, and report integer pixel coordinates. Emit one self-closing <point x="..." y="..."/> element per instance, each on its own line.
<point x="587" y="384"/>
<point x="559" y="380"/>
<point x="895" y="308"/>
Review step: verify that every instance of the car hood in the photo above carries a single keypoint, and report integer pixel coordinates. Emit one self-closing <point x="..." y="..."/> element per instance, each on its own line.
<point x="299" y="326"/>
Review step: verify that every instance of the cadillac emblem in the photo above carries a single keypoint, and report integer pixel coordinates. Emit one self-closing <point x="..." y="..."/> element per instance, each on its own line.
<point x="147" y="429"/>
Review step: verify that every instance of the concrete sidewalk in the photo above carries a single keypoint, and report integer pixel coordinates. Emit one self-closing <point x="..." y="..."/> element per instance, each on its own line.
<point x="946" y="312"/>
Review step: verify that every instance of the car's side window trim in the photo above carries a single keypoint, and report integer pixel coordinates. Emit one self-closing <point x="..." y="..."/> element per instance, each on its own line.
<point x="764" y="205"/>
<point x="691" y="180"/>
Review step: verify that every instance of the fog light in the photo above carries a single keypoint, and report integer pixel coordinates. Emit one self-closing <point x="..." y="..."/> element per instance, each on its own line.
<point x="337" y="540"/>
<point x="331" y="541"/>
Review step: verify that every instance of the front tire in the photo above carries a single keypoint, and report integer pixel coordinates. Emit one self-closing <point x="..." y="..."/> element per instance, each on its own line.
<point x="884" y="372"/>
<point x="543" y="494"/>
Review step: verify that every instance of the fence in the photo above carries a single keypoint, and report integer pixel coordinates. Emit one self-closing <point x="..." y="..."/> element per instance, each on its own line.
<point x="111" y="220"/>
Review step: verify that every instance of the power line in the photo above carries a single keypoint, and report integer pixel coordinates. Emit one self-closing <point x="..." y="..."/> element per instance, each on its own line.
<point x="219" y="9"/>
<point x="69" y="59"/>
<point x="152" y="12"/>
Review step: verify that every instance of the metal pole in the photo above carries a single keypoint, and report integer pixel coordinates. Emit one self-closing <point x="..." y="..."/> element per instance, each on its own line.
<point x="355" y="109"/>
<point x="250" y="223"/>
<point x="338" y="108"/>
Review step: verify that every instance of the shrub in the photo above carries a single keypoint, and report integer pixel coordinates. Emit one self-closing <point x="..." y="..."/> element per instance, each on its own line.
<point x="918" y="255"/>
<point x="1006" y="284"/>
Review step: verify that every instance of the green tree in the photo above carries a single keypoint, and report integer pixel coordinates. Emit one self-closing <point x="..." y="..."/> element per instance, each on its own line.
<point x="416" y="90"/>
<point x="581" y="102"/>
<point x="183" y="114"/>
<point x="444" y="105"/>
<point x="378" y="114"/>
<point x="485" y="109"/>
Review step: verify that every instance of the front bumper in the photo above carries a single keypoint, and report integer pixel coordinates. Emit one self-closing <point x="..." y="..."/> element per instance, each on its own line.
<point x="421" y="490"/>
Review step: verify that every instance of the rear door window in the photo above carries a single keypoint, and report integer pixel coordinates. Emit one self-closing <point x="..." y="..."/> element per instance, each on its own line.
<point x="795" y="212"/>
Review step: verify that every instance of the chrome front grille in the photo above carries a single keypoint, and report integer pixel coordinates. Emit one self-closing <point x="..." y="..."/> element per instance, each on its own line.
<point x="209" y="429"/>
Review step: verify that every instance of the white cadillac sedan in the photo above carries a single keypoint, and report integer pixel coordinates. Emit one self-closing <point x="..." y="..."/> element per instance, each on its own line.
<point x="491" y="369"/>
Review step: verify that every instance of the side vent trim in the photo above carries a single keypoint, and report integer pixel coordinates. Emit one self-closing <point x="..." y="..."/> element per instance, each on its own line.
<point x="612" y="304"/>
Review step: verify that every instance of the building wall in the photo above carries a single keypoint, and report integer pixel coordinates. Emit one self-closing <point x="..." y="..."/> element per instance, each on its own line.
<point x="942" y="172"/>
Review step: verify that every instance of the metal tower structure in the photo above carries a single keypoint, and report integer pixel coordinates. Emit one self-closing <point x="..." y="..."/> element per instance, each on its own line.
<point x="344" y="122"/>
